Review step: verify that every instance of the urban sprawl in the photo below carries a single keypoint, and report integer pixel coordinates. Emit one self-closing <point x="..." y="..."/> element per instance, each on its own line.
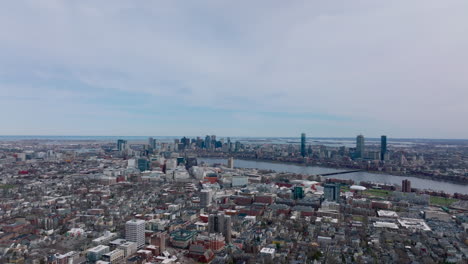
<point x="67" y="202"/>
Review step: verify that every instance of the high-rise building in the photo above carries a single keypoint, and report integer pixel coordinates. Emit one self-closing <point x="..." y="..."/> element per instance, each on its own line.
<point x="190" y="162"/>
<point x="151" y="143"/>
<point x="406" y="186"/>
<point x="298" y="192"/>
<point x="121" y="144"/>
<point x="220" y="223"/>
<point x="185" y="142"/>
<point x="332" y="191"/>
<point x="383" y="147"/>
<point x="309" y="151"/>
<point x="303" y="145"/>
<point x="227" y="228"/>
<point x="230" y="163"/>
<point x="159" y="239"/>
<point x="135" y="232"/>
<point x="238" y="146"/>
<point x="360" y="146"/>
<point x="205" y="197"/>
<point x="208" y="142"/>
<point x="143" y="164"/>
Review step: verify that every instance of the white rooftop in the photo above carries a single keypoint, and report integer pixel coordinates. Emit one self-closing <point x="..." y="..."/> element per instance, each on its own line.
<point x="266" y="250"/>
<point x="357" y="188"/>
<point x="386" y="213"/>
<point x="386" y="225"/>
<point x="411" y="223"/>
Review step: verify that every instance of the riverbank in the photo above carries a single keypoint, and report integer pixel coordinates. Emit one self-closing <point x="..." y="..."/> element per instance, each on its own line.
<point x="340" y="168"/>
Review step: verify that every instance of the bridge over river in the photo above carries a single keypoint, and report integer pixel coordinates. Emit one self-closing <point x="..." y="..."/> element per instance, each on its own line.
<point x="339" y="172"/>
<point x="344" y="174"/>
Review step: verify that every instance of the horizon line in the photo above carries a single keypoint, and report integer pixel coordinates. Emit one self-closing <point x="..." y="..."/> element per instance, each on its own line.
<point x="178" y="136"/>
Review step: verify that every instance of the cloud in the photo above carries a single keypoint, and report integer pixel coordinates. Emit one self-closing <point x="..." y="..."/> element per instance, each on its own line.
<point x="394" y="67"/>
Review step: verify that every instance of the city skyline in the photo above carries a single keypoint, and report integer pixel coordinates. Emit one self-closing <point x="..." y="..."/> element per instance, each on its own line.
<point x="233" y="132"/>
<point x="119" y="68"/>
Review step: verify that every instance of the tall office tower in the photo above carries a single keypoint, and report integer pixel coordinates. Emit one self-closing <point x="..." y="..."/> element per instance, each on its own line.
<point x="205" y="198"/>
<point x="298" y="192"/>
<point x="332" y="191"/>
<point x="383" y="147"/>
<point x="237" y="146"/>
<point x="185" y="141"/>
<point x="212" y="220"/>
<point x="207" y="142"/>
<point x="190" y="162"/>
<point x="360" y="146"/>
<point x="220" y="223"/>
<point x="303" y="145"/>
<point x="135" y="232"/>
<point x="121" y="144"/>
<point x="159" y="239"/>
<point x="151" y="143"/>
<point x="230" y="163"/>
<point x="213" y="139"/>
<point x="143" y="164"/>
<point x="406" y="186"/>
<point x="227" y="228"/>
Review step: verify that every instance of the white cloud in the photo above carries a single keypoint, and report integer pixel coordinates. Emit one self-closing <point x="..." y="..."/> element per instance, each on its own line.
<point x="395" y="67"/>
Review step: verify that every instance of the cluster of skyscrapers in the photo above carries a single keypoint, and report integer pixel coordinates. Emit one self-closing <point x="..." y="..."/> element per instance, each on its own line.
<point x="360" y="151"/>
<point x="360" y="147"/>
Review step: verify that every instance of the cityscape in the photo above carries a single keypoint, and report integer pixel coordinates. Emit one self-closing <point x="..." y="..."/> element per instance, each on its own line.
<point x="233" y="132"/>
<point x="186" y="200"/>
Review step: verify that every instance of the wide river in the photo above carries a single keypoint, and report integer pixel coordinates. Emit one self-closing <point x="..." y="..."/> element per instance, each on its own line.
<point x="356" y="176"/>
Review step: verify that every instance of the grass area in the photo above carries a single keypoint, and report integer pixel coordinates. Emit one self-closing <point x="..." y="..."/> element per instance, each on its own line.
<point x="344" y="189"/>
<point x="435" y="200"/>
<point x="6" y="186"/>
<point x="358" y="218"/>
<point x="377" y="192"/>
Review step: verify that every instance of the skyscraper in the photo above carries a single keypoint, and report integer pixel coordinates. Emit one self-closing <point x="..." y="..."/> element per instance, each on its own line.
<point x="332" y="191"/>
<point x="207" y="142"/>
<point x="360" y="146"/>
<point x="159" y="239"/>
<point x="151" y="143"/>
<point x="143" y="164"/>
<point x="220" y="223"/>
<point x="303" y="145"/>
<point x="121" y="144"/>
<point x="383" y="147"/>
<point x="135" y="232"/>
<point x="205" y="197"/>
<point x="406" y="186"/>
<point x="237" y="146"/>
<point x="230" y="163"/>
<point x="298" y="192"/>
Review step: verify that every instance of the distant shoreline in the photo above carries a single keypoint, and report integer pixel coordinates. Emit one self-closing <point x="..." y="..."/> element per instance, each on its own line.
<point x="144" y="138"/>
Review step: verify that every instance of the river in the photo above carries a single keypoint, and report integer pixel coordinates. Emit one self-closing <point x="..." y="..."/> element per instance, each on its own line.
<point x="356" y="176"/>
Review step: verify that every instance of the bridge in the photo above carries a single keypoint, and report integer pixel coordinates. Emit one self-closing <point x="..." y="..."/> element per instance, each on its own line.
<point x="339" y="172"/>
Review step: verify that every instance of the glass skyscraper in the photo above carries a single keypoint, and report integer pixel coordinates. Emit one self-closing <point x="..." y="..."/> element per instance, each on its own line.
<point x="360" y="146"/>
<point x="383" y="147"/>
<point x="303" y="145"/>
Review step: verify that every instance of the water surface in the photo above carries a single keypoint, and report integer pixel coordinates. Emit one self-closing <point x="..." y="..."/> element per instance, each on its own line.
<point x="356" y="176"/>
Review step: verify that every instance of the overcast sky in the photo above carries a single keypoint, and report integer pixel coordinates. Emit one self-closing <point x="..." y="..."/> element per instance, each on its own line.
<point x="234" y="68"/>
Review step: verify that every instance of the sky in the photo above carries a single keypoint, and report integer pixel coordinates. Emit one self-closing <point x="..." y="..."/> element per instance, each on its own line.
<point x="234" y="68"/>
